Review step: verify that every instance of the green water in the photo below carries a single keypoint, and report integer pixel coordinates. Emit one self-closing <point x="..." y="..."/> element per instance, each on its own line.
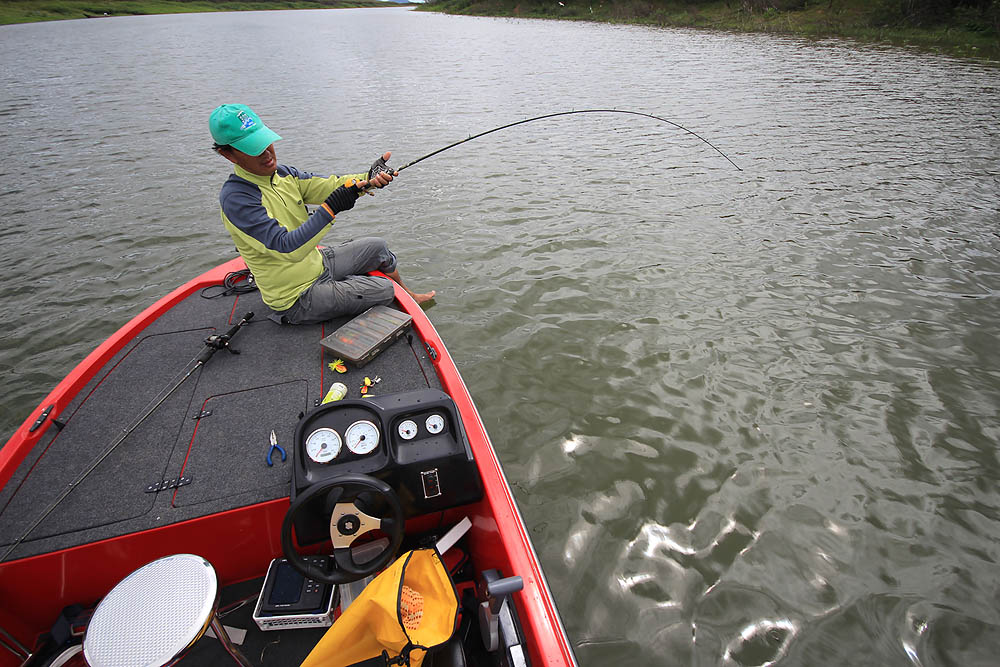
<point x="748" y="416"/>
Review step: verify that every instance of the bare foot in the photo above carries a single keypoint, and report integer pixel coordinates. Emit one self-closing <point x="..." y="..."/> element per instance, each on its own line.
<point x="422" y="298"/>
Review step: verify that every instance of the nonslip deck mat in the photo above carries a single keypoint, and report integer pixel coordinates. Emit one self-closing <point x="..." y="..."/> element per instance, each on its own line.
<point x="232" y="442"/>
<point x="279" y="373"/>
<point x="123" y="394"/>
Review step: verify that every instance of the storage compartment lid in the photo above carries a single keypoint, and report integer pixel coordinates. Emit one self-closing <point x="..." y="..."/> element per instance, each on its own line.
<point x="363" y="337"/>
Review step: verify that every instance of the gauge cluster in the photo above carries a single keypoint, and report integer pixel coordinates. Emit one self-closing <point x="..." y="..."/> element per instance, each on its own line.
<point x="413" y="440"/>
<point x="421" y="426"/>
<point x="362" y="437"/>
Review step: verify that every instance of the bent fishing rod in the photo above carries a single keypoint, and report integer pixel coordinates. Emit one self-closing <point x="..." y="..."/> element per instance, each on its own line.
<point x="381" y="166"/>
<point x="213" y="344"/>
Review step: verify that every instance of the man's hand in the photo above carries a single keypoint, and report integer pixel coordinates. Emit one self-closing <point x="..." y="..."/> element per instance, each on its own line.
<point x="343" y="198"/>
<point x="380" y="174"/>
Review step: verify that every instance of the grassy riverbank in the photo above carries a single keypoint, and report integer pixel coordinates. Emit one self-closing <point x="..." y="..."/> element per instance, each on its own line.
<point x="969" y="28"/>
<point x="28" y="11"/>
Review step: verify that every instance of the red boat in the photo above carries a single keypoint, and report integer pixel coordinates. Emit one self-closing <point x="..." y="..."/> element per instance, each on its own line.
<point x="159" y="443"/>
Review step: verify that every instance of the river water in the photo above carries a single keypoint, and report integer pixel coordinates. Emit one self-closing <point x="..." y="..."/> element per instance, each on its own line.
<point x="749" y="416"/>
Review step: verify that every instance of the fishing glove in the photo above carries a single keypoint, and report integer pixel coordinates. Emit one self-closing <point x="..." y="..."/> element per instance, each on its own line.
<point x="343" y="198"/>
<point x="379" y="166"/>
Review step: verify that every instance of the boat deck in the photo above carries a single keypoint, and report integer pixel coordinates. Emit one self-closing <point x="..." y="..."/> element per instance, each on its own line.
<point x="213" y="429"/>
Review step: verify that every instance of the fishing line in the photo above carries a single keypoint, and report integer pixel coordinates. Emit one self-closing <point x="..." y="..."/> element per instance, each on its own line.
<point x="568" y="113"/>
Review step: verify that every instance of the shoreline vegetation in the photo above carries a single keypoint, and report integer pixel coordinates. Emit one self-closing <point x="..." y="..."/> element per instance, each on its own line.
<point x="30" y="11"/>
<point x="963" y="28"/>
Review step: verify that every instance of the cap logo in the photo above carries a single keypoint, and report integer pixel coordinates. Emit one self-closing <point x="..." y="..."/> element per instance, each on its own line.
<point x="246" y="120"/>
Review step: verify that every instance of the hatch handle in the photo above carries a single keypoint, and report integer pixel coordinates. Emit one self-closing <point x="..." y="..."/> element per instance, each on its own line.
<point x="167" y="484"/>
<point x="41" y="418"/>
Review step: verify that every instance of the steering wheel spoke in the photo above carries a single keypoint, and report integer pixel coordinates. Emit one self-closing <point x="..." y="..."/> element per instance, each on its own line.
<point x="344" y="560"/>
<point x="387" y="525"/>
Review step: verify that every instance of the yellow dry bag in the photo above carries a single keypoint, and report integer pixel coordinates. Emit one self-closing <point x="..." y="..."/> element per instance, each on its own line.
<point x="406" y="610"/>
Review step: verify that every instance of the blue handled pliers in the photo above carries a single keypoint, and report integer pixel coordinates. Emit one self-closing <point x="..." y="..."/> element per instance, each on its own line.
<point x="274" y="446"/>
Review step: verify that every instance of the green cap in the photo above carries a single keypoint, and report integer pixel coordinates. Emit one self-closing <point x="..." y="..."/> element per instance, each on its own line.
<point x="238" y="126"/>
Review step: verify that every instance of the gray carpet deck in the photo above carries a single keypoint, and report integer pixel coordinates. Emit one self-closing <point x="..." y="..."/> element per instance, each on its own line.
<point x="280" y="373"/>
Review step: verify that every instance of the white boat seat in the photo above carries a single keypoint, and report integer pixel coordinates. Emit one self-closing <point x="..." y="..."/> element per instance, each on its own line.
<point x="154" y="615"/>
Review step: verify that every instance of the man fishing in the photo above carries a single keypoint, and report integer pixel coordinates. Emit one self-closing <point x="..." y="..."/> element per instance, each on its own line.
<point x="263" y="208"/>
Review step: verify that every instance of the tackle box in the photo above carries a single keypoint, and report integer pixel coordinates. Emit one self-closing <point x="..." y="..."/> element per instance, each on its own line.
<point x="361" y="339"/>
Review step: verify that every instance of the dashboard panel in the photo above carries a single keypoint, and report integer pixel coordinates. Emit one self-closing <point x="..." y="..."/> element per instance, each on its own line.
<point x="414" y="441"/>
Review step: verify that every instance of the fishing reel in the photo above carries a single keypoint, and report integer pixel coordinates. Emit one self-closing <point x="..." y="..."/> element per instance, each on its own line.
<point x="378" y="167"/>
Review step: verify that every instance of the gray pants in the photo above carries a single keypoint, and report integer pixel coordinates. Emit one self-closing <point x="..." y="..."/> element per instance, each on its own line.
<point x="342" y="288"/>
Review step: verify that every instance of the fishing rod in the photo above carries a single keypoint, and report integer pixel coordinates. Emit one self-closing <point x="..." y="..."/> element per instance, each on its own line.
<point x="380" y="165"/>
<point x="213" y="344"/>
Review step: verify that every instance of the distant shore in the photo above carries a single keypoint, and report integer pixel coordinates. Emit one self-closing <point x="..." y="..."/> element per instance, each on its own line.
<point x="29" y="11"/>
<point x="967" y="29"/>
<point x="964" y="28"/>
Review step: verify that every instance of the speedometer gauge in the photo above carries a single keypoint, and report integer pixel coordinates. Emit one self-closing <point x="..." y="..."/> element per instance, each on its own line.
<point x="323" y="445"/>
<point x="362" y="437"/>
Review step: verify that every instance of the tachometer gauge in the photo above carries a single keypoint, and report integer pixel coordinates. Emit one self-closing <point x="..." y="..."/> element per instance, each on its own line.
<point x="407" y="430"/>
<point x="362" y="437"/>
<point x="435" y="424"/>
<point x="323" y="445"/>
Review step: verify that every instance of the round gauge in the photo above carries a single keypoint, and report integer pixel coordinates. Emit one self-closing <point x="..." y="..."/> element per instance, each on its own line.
<point x="435" y="423"/>
<point x="362" y="437"/>
<point x="407" y="430"/>
<point x="323" y="445"/>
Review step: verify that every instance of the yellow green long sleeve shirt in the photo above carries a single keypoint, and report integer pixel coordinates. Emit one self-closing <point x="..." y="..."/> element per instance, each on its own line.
<point x="273" y="231"/>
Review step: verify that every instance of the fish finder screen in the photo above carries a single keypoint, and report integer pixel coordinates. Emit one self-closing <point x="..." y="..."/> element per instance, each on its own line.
<point x="287" y="585"/>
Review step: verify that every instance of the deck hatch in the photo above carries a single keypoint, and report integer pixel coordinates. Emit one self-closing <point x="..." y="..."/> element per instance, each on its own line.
<point x="117" y="398"/>
<point x="228" y="450"/>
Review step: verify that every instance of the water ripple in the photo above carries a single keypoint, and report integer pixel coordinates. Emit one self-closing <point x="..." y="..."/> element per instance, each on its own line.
<point x="749" y="417"/>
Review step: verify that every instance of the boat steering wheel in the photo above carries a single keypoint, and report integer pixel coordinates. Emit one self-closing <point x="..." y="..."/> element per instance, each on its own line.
<point x="347" y="523"/>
